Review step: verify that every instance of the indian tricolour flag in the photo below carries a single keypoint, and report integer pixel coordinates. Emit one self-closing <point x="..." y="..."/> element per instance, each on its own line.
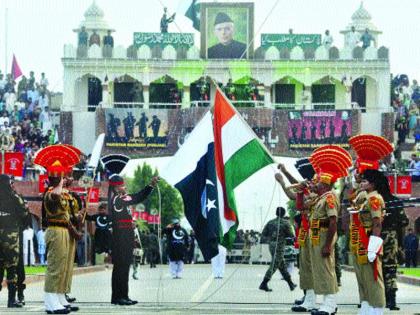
<point x="238" y="154"/>
<point x="220" y="153"/>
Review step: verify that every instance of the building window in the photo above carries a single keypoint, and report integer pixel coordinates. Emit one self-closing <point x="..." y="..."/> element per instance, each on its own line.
<point x="323" y="94"/>
<point x="285" y="93"/>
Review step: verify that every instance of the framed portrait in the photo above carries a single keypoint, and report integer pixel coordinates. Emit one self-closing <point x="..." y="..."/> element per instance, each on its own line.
<point x="227" y="30"/>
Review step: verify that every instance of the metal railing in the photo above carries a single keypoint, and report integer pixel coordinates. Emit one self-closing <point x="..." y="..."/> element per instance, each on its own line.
<point x="250" y="104"/>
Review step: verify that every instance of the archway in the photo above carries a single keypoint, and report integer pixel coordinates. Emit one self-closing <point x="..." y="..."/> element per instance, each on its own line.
<point x="245" y="92"/>
<point x="200" y="91"/>
<point x="127" y="90"/>
<point x="165" y="90"/>
<point x="287" y="92"/>
<point x="88" y="92"/>
<point x="324" y="93"/>
<point x="364" y="92"/>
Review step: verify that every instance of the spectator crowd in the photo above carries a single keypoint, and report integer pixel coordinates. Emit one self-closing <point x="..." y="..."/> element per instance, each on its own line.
<point x="406" y="100"/>
<point x="26" y="120"/>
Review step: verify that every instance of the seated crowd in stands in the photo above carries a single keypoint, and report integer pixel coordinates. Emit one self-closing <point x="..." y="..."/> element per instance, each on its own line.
<point x="26" y="121"/>
<point x="406" y="101"/>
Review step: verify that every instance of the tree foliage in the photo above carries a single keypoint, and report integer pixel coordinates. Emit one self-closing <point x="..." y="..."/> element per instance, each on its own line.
<point x="172" y="205"/>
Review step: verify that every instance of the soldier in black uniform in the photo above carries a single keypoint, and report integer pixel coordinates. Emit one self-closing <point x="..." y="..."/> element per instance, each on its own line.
<point x="12" y="212"/>
<point x="119" y="203"/>
<point x="102" y="238"/>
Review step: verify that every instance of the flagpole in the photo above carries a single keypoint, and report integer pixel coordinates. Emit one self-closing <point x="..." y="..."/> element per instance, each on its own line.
<point x="5" y="40"/>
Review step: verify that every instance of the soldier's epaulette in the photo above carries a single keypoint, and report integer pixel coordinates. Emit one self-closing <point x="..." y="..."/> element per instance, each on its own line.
<point x="375" y="203"/>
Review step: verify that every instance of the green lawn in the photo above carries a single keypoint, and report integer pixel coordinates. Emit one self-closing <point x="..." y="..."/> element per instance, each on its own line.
<point x="415" y="272"/>
<point x="35" y="270"/>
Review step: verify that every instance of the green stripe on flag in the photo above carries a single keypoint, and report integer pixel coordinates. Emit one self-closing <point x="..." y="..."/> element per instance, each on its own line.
<point x="246" y="161"/>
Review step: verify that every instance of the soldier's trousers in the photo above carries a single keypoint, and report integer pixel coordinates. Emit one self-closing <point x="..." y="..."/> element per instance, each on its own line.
<point x="390" y="259"/>
<point x="70" y="264"/>
<point x="9" y="253"/>
<point x="306" y="281"/>
<point x="277" y="263"/>
<point x="370" y="290"/>
<point x="57" y="240"/>
<point x="323" y="268"/>
<point x="122" y="257"/>
<point x="337" y="257"/>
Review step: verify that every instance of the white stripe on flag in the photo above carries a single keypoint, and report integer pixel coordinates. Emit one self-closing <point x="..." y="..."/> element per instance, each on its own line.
<point x="234" y="136"/>
<point x="225" y="224"/>
<point x="184" y="162"/>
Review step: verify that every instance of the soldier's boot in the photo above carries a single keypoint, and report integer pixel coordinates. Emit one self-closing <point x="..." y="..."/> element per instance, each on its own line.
<point x="20" y="295"/>
<point x="1" y="277"/>
<point x="387" y="301"/>
<point x="135" y="272"/>
<point x="392" y="303"/>
<point x="300" y="302"/>
<point x="289" y="281"/>
<point x="264" y="285"/>
<point x="11" y="301"/>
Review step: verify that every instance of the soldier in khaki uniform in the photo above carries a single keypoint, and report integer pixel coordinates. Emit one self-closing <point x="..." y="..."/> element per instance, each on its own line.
<point x="366" y="221"/>
<point x="303" y="193"/>
<point x="57" y="159"/>
<point x="76" y="217"/>
<point x="331" y="163"/>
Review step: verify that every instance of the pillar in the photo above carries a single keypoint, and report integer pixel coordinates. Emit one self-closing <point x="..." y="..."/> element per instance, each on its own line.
<point x="186" y="102"/>
<point x="146" y="96"/>
<point x="267" y="96"/>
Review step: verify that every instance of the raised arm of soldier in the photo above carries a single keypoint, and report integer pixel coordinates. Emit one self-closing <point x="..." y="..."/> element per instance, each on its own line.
<point x="286" y="173"/>
<point x="289" y="193"/>
<point x="136" y="198"/>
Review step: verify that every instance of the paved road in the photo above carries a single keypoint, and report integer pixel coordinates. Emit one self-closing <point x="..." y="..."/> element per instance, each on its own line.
<point x="198" y="293"/>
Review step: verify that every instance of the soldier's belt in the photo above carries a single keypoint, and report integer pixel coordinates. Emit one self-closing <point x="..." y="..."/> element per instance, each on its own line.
<point x="58" y="223"/>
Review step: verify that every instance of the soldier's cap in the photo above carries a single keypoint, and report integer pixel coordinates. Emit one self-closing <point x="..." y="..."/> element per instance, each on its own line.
<point x="369" y="149"/>
<point x="116" y="180"/>
<point x="374" y="176"/>
<point x="222" y="17"/>
<point x="58" y="159"/>
<point x="330" y="162"/>
<point x="4" y="180"/>
<point x="305" y="168"/>
<point x="114" y="163"/>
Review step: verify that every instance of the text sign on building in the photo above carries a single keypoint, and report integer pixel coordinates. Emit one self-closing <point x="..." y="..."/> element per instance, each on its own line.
<point x="163" y="39"/>
<point x="291" y="40"/>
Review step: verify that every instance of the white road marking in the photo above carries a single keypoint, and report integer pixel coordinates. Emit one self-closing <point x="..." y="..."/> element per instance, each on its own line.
<point x="200" y="292"/>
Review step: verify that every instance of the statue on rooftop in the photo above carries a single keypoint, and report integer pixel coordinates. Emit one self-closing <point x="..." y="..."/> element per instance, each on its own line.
<point x="164" y="21"/>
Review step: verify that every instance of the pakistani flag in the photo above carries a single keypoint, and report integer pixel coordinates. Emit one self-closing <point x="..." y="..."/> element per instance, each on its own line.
<point x="221" y="153"/>
<point x="193" y="13"/>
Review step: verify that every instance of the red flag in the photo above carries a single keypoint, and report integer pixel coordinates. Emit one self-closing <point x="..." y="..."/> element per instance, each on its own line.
<point x="153" y="219"/>
<point x="13" y="163"/>
<point x="43" y="182"/>
<point x="404" y="185"/>
<point x="144" y="216"/>
<point x="16" y="72"/>
<point x="93" y="195"/>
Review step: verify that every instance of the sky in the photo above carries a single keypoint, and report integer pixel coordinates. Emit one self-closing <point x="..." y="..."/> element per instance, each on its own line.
<point x="38" y="29"/>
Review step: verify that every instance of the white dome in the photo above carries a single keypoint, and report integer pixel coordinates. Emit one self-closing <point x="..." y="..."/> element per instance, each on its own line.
<point x="361" y="20"/>
<point x="361" y="14"/>
<point x="94" y="11"/>
<point x="94" y="19"/>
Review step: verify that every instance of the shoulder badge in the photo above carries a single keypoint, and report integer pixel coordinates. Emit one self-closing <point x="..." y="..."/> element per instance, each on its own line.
<point x="374" y="203"/>
<point x="330" y="201"/>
